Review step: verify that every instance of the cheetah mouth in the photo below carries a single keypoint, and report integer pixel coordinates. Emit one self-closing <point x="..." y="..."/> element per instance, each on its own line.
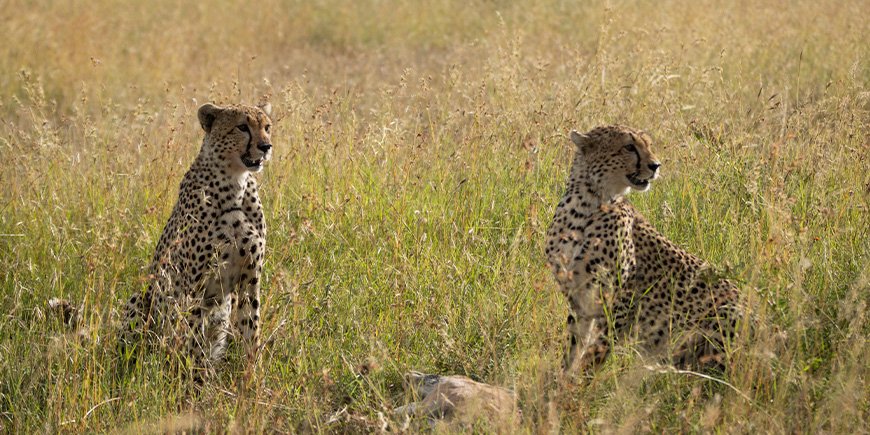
<point x="637" y="182"/>
<point x="252" y="165"/>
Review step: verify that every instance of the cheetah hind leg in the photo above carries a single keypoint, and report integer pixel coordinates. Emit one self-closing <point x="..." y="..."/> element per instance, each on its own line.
<point x="135" y="330"/>
<point x="133" y="323"/>
<point x="700" y="352"/>
<point x="704" y="348"/>
<point x="140" y="313"/>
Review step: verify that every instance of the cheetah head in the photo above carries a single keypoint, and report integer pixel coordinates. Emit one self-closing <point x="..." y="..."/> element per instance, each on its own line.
<point x="617" y="158"/>
<point x="239" y="135"/>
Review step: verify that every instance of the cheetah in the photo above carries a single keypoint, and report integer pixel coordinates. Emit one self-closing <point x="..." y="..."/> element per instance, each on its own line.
<point x="205" y="272"/>
<point x="623" y="279"/>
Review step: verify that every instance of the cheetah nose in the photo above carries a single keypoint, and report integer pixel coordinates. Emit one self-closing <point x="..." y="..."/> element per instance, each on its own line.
<point x="654" y="166"/>
<point x="264" y="147"/>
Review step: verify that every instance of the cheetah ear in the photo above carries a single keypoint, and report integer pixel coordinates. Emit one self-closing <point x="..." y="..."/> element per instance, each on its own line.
<point x="266" y="108"/>
<point x="581" y="140"/>
<point x="207" y="113"/>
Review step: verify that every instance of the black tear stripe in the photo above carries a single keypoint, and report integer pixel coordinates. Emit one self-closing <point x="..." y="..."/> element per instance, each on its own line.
<point x="637" y="165"/>
<point x="636" y="152"/>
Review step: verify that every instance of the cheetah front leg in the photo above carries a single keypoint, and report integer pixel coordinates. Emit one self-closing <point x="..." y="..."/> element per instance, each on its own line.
<point x="588" y="344"/>
<point x="208" y="318"/>
<point x="208" y="321"/>
<point x="209" y="327"/>
<point x="246" y="313"/>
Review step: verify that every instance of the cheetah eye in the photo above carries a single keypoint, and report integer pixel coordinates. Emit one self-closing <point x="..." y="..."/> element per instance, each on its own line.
<point x="243" y="127"/>
<point x="631" y="148"/>
<point x="268" y="128"/>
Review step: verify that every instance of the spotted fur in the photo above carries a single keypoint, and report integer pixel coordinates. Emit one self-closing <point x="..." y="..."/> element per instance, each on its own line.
<point x="205" y="273"/>
<point x="622" y="278"/>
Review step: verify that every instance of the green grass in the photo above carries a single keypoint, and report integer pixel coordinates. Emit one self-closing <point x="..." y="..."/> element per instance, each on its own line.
<point x="420" y="151"/>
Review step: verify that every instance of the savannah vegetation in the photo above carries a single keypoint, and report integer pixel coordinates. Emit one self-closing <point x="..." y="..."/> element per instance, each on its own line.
<point x="420" y="149"/>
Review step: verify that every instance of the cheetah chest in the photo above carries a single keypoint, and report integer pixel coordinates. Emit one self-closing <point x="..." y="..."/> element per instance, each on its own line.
<point x="239" y="243"/>
<point x="585" y="241"/>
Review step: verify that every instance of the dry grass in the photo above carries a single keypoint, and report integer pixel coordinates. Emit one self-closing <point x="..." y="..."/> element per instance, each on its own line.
<point x="420" y="152"/>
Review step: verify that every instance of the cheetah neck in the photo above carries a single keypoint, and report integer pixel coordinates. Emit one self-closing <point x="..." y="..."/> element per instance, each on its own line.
<point x="220" y="176"/>
<point x="585" y="188"/>
<point x="222" y="162"/>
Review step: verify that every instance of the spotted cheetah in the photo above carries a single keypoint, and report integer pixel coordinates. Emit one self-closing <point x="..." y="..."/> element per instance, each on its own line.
<point x="205" y="273"/>
<point x="622" y="278"/>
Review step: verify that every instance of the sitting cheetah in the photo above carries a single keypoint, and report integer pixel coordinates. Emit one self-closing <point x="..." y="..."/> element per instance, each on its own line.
<point x="622" y="278"/>
<point x="205" y="273"/>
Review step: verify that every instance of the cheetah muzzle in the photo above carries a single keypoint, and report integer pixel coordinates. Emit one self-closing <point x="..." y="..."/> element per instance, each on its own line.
<point x="637" y="182"/>
<point x="263" y="152"/>
<point x="254" y="165"/>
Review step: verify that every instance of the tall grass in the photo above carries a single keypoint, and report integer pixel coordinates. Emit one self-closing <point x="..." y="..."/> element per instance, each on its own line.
<point x="420" y="150"/>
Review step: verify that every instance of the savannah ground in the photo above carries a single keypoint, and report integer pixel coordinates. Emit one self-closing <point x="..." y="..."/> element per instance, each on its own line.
<point x="420" y="148"/>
